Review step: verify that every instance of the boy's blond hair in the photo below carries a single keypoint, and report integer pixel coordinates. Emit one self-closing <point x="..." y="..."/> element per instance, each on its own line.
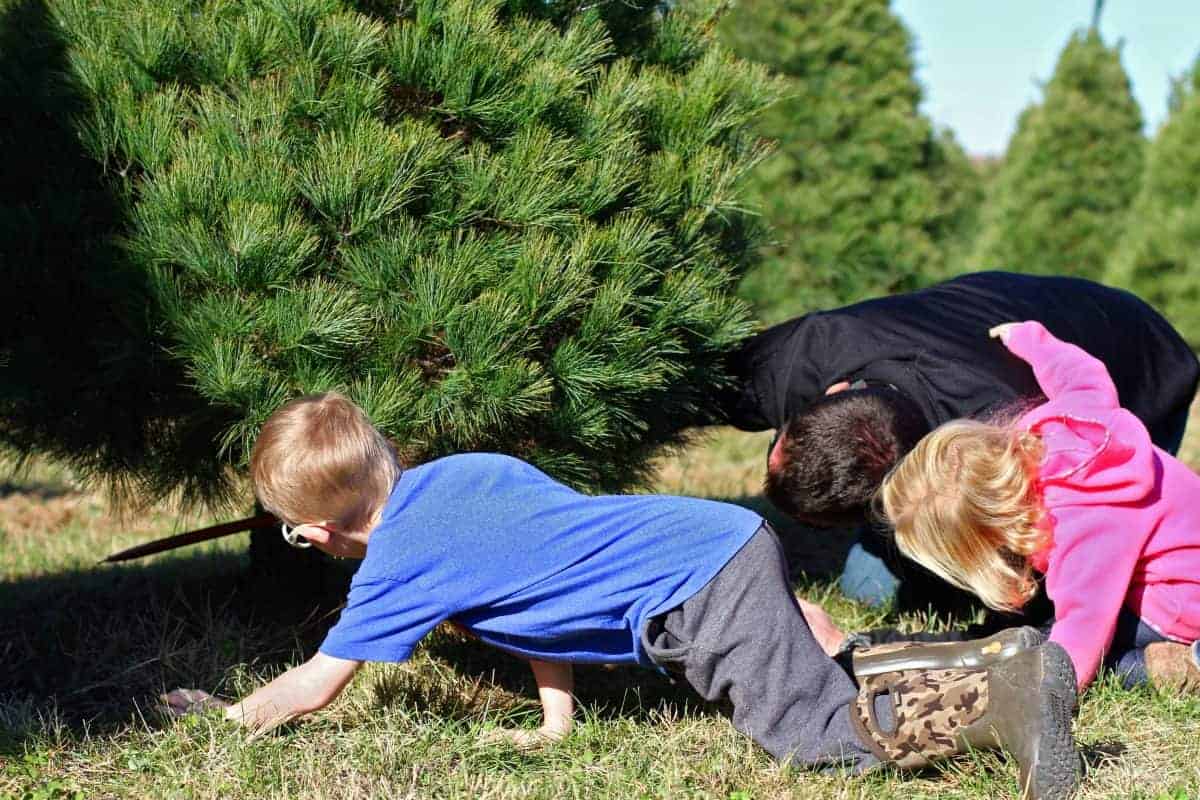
<point x="964" y="504"/>
<point x="319" y="459"/>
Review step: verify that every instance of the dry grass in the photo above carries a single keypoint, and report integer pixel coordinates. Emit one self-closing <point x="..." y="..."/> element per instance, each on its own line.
<point x="83" y="650"/>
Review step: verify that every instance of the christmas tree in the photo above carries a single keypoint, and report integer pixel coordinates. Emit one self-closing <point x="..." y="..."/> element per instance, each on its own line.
<point x="1059" y="202"/>
<point x="1159" y="258"/>
<point x="863" y="197"/>
<point x="77" y="362"/>
<point x="511" y="226"/>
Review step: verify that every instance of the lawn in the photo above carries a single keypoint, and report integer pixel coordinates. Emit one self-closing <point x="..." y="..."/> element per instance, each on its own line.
<point x="85" y="648"/>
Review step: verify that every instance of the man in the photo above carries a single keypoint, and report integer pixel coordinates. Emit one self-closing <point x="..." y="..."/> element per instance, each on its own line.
<point x="850" y="390"/>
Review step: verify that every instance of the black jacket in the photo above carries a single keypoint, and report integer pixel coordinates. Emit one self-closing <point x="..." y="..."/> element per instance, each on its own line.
<point x="933" y="346"/>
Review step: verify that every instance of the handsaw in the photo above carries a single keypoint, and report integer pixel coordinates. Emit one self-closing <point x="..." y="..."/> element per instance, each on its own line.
<point x="257" y="522"/>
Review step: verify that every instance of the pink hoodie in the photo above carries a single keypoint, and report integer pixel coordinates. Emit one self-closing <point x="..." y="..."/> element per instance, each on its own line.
<point x="1123" y="514"/>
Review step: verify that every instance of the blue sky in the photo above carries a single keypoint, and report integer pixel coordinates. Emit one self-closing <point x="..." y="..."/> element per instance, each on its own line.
<point x="980" y="62"/>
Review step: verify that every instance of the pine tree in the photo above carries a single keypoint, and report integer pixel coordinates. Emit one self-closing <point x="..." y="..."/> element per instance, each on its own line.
<point x="512" y="226"/>
<point x="960" y="183"/>
<point x="1159" y="258"/>
<point x="76" y="363"/>
<point x="1059" y="201"/>
<point x="862" y="197"/>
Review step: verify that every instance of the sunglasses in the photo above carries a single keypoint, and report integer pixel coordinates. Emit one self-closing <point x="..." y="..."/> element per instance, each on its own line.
<point x="292" y="536"/>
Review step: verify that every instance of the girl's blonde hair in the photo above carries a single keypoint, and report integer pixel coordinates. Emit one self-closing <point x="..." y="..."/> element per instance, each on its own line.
<point x="319" y="459"/>
<point x="964" y="504"/>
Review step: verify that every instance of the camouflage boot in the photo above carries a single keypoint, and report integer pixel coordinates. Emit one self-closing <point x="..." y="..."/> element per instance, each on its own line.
<point x="974" y="654"/>
<point x="1174" y="667"/>
<point x="1022" y="705"/>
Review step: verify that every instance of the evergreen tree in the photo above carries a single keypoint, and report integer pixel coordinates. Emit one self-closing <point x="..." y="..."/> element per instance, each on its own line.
<point x="512" y="226"/>
<point x="73" y="354"/>
<point x="1059" y="201"/>
<point x="1159" y="258"/>
<point x="961" y="183"/>
<point x="862" y="197"/>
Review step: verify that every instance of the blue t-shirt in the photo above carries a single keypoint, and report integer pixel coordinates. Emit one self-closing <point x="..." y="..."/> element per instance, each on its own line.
<point x="528" y="564"/>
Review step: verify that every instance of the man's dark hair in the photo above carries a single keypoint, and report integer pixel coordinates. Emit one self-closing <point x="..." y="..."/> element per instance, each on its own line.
<point x="834" y="454"/>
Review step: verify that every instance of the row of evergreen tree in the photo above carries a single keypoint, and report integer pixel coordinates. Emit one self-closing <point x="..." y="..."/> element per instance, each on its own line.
<point x="863" y="196"/>
<point x="513" y="225"/>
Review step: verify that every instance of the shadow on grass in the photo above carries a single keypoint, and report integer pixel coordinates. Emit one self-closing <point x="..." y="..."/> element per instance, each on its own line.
<point x="1101" y="755"/>
<point x="40" y="490"/>
<point x="94" y="647"/>
<point x="608" y="692"/>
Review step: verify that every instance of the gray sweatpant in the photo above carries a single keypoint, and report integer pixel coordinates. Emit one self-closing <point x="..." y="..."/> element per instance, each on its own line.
<point x="743" y="639"/>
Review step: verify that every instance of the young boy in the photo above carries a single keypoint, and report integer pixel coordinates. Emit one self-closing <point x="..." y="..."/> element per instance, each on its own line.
<point x="689" y="586"/>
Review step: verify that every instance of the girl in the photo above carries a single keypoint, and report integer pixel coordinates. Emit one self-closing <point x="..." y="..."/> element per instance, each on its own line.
<point x="1073" y="490"/>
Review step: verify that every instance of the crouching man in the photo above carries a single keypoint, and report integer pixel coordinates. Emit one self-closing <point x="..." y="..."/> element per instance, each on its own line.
<point x="851" y="390"/>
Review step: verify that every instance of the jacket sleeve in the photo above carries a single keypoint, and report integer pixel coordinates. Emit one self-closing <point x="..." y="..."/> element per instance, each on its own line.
<point x="1062" y="368"/>
<point x="1095" y="478"/>
<point x="1096" y="549"/>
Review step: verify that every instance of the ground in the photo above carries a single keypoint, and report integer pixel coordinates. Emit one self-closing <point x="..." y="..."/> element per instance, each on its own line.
<point x="84" y="648"/>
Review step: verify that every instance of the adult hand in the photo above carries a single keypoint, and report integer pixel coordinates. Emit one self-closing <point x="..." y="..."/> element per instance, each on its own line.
<point x="1001" y="331"/>
<point x="828" y="635"/>
<point x="181" y="702"/>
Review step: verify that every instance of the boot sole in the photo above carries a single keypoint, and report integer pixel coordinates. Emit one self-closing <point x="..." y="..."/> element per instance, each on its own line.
<point x="1030" y="637"/>
<point x="1057" y="772"/>
<point x="1056" y="663"/>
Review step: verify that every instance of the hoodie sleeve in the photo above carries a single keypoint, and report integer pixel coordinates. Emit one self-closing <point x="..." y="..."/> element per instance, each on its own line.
<point x="1096" y="549"/>
<point x="1095" y="478"/>
<point x="1062" y="368"/>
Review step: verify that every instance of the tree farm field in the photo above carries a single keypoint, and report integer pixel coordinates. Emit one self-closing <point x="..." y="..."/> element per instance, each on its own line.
<point x="84" y="649"/>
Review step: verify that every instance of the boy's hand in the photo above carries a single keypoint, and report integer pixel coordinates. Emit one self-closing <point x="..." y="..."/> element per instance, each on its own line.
<point x="828" y="635"/>
<point x="181" y="702"/>
<point x="1001" y="332"/>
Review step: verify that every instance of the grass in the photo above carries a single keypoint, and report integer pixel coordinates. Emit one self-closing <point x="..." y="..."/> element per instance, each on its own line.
<point x="84" y="649"/>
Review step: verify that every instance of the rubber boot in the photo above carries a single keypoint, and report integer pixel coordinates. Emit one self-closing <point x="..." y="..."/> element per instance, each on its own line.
<point x="944" y="655"/>
<point x="1021" y="704"/>
<point x="1174" y="667"/>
